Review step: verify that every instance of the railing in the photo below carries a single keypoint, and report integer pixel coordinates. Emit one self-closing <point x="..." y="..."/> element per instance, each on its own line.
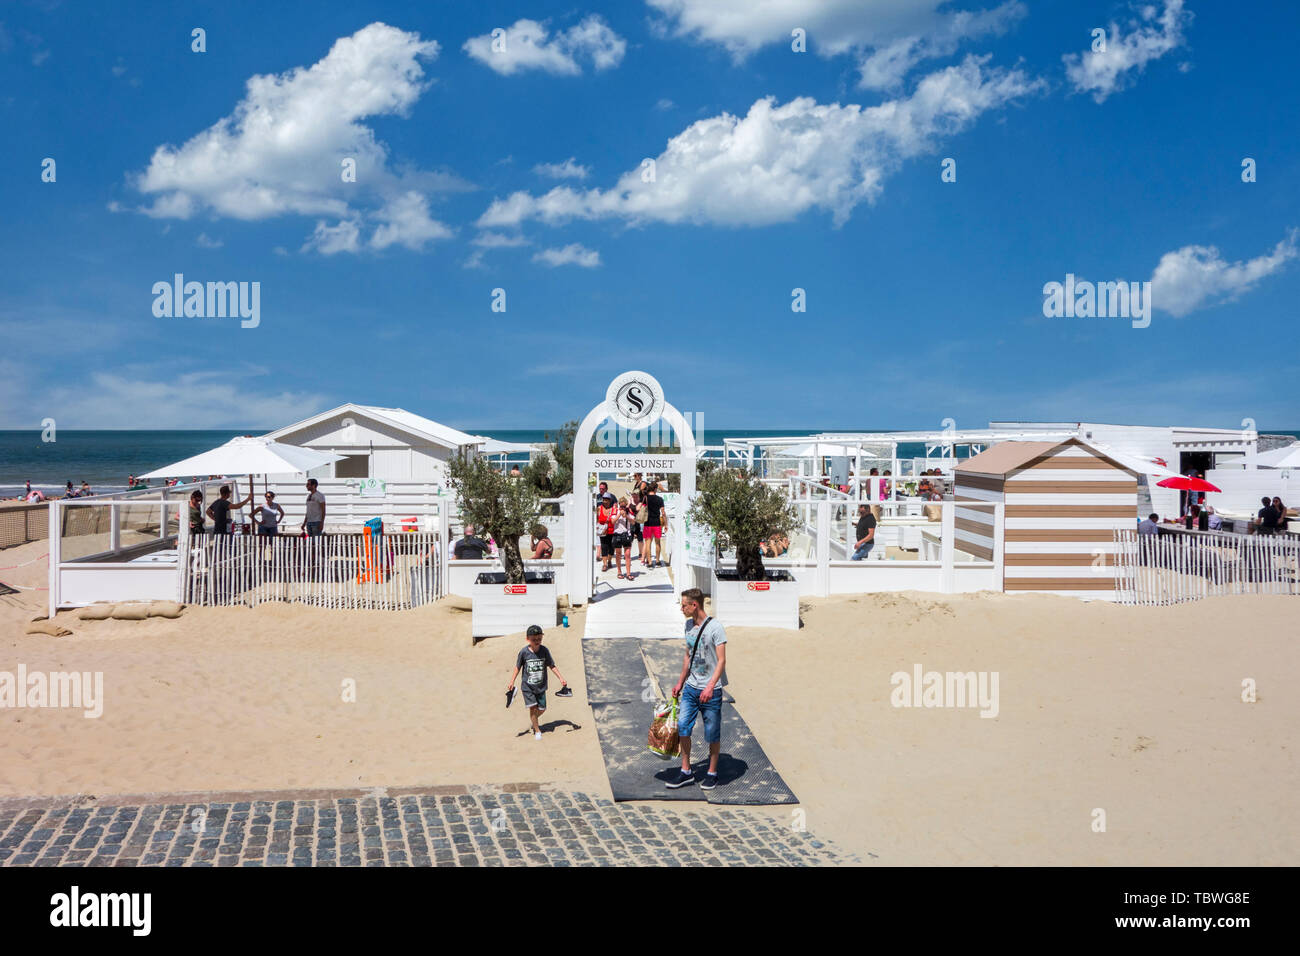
<point x="1157" y="570"/>
<point x="346" y="571"/>
<point x="933" y="554"/>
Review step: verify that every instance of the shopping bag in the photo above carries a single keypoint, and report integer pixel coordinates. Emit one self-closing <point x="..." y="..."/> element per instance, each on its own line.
<point x="663" y="738"/>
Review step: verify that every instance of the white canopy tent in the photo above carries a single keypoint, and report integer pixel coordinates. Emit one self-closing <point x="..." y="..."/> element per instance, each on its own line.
<point x="247" y="455"/>
<point x="1287" y="456"/>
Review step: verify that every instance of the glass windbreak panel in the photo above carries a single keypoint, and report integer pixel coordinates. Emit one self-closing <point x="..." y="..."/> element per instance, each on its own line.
<point x="84" y="530"/>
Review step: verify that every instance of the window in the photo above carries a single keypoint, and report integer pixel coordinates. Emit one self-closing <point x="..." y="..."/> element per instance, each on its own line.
<point x="353" y="466"/>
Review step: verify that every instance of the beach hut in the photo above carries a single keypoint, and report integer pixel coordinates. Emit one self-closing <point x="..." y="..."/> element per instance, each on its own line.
<point x="1064" y="502"/>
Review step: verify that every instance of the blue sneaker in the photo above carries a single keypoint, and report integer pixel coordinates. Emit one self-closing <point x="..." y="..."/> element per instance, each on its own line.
<point x="683" y="778"/>
<point x="709" y="782"/>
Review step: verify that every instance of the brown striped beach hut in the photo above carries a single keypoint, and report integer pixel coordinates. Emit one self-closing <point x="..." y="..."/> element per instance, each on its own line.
<point x="1064" y="501"/>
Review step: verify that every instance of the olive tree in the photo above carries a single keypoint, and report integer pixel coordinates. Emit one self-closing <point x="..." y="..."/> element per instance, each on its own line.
<point x="497" y="504"/>
<point x="743" y="511"/>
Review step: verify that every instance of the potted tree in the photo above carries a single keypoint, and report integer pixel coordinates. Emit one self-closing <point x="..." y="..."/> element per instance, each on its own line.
<point x="504" y="508"/>
<point x="743" y="511"/>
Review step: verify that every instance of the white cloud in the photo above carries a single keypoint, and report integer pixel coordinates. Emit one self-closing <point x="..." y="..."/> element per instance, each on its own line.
<point x="280" y="152"/>
<point x="886" y="66"/>
<point x="779" y="161"/>
<point x="664" y="104"/>
<point x="497" y="240"/>
<point x="569" y="169"/>
<point x="529" y="46"/>
<point x="204" y="242"/>
<point x="574" y="254"/>
<point x="1104" y="73"/>
<point x="1193" y="277"/>
<point x="406" y="221"/>
<point x="345" y="236"/>
<point x="888" y="37"/>
<point x="190" y="400"/>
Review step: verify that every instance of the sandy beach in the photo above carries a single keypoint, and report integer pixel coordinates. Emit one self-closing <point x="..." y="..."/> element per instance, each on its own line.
<point x="1137" y="712"/>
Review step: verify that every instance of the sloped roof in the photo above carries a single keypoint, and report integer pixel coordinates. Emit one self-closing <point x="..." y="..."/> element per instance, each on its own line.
<point x="1007" y="456"/>
<point x="399" y="418"/>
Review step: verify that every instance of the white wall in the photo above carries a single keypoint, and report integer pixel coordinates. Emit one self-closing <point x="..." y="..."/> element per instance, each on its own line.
<point x="1243" y="489"/>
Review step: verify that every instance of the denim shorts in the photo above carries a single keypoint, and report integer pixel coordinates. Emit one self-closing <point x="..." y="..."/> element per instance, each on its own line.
<point x="690" y="705"/>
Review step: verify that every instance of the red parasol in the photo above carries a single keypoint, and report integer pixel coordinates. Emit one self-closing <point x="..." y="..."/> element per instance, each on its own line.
<point x="1183" y="483"/>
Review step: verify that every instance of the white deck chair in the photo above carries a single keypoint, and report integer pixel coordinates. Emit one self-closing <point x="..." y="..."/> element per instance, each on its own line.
<point x="800" y="548"/>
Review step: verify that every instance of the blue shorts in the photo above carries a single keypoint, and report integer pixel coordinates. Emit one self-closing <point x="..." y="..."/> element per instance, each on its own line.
<point x="690" y="705"/>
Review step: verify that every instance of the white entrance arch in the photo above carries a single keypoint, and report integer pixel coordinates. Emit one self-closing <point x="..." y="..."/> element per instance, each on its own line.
<point x="580" y="537"/>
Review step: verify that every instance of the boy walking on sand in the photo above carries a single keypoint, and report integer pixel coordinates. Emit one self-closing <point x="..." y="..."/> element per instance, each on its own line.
<point x="534" y="658"/>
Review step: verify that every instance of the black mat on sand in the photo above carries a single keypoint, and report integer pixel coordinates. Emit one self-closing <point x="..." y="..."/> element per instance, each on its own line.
<point x="616" y="680"/>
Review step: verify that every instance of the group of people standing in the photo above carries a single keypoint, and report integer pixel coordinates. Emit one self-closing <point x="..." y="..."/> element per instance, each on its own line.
<point x="631" y="525"/>
<point x="267" y="517"/>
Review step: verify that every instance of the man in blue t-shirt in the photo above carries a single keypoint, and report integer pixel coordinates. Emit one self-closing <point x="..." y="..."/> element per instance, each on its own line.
<point x="704" y="674"/>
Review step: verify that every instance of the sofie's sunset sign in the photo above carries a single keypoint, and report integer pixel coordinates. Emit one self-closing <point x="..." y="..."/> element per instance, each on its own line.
<point x="651" y="464"/>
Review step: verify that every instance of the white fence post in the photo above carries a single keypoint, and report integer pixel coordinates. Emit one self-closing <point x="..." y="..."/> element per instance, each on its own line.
<point x="947" y="575"/>
<point x="999" y="539"/>
<point x="822" y="582"/>
<point x="55" y="545"/>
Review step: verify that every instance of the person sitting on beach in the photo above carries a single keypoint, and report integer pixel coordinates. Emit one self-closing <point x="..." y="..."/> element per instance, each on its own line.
<point x="470" y="548"/>
<point x="1266" y="522"/>
<point x="219" y="510"/>
<point x="69" y="492"/>
<point x="542" y="546"/>
<point x="85" y="490"/>
<point x="1150" y="526"/>
<point x="1216" y="522"/>
<point x="774" y="546"/>
<point x="34" y="495"/>
<point x="1280" y="510"/>
<point x="268" y="516"/>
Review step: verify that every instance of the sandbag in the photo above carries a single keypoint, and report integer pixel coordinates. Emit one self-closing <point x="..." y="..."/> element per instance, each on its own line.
<point x="663" y="738"/>
<point x="96" y="612"/>
<point x="130" y="612"/>
<point x="47" y="627"/>
<point x="169" y="609"/>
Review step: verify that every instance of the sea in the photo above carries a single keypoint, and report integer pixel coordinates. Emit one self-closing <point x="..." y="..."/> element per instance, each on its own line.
<point x="105" y="459"/>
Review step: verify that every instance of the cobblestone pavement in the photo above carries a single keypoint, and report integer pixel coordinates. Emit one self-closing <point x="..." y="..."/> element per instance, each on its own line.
<point x="514" y="825"/>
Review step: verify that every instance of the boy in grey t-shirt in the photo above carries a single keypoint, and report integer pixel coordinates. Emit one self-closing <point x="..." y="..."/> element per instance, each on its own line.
<point x="533" y="659"/>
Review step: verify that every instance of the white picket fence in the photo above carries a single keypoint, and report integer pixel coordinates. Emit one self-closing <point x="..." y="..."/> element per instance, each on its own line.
<point x="347" y="571"/>
<point x="1155" y="570"/>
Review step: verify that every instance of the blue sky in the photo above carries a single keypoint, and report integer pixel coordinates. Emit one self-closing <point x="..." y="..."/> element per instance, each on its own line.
<point x="775" y="170"/>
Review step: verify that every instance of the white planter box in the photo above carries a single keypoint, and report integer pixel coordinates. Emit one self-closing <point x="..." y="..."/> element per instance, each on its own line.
<point x="756" y="603"/>
<point x="501" y="608"/>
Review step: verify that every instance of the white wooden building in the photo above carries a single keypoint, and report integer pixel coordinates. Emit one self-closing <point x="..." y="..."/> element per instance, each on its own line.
<point x="390" y="444"/>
